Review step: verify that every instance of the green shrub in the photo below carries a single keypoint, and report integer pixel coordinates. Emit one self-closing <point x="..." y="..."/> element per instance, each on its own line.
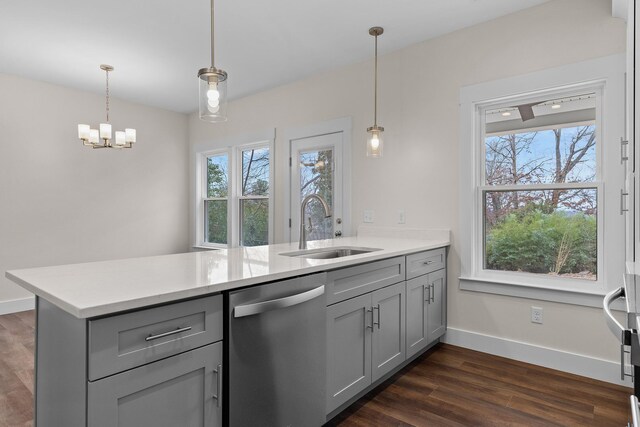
<point x="533" y="241"/>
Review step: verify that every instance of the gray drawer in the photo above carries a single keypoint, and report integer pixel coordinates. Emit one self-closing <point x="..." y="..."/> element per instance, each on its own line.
<point x="125" y="341"/>
<point x="350" y="282"/>
<point x="425" y="262"/>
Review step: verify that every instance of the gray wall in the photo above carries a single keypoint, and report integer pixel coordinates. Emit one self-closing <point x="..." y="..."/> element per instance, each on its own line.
<point x="63" y="203"/>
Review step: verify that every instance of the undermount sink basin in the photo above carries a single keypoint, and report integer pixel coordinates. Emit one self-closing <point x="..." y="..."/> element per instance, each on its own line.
<point x="329" y="253"/>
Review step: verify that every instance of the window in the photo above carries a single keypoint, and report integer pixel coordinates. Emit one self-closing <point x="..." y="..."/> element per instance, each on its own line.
<point x="541" y="186"/>
<point x="234" y="207"/>
<point x="540" y="183"/>
<point x="216" y="199"/>
<point x="254" y="197"/>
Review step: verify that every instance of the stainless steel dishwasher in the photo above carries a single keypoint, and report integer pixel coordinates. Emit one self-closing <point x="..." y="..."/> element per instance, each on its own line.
<point x="277" y="354"/>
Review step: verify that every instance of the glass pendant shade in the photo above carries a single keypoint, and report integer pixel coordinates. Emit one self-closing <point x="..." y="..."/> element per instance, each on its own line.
<point x="374" y="141"/>
<point x="213" y="95"/>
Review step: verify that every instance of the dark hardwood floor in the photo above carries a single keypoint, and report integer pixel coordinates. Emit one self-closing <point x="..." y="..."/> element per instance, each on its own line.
<point x="16" y="369"/>
<point x="454" y="386"/>
<point x="448" y="386"/>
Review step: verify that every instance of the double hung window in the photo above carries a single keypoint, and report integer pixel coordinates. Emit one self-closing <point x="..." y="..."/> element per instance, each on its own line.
<point x="542" y="182"/>
<point x="234" y="206"/>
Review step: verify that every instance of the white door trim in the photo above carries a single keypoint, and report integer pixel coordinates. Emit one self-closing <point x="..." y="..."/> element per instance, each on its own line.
<point x="332" y="126"/>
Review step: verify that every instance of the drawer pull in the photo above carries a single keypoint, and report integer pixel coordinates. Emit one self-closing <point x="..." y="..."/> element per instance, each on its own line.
<point x="428" y="262"/>
<point x="166" y="334"/>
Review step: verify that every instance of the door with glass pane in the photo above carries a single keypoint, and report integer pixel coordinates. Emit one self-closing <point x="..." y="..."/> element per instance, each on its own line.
<point x="316" y="168"/>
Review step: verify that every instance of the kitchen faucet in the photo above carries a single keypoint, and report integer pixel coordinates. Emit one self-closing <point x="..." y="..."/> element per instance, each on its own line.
<point x="303" y="229"/>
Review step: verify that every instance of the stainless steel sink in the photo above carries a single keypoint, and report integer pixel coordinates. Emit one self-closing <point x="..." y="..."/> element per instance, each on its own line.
<point x="329" y="253"/>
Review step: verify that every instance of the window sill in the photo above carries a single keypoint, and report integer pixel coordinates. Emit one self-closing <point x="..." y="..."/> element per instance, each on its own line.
<point x="565" y="296"/>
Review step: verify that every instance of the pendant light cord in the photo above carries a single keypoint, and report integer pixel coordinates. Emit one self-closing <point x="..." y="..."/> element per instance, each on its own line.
<point x="375" y="86"/>
<point x="107" y="95"/>
<point x="212" y="21"/>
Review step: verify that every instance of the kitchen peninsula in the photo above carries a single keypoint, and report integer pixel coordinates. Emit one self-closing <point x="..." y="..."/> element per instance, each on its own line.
<point x="117" y="339"/>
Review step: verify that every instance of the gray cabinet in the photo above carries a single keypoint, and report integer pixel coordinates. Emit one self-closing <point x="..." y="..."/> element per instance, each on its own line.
<point x="426" y="310"/>
<point x="417" y="302"/>
<point x="349" y="326"/>
<point x="388" y="334"/>
<point x="151" y="367"/>
<point x="365" y="341"/>
<point x="437" y="307"/>
<point x="182" y="390"/>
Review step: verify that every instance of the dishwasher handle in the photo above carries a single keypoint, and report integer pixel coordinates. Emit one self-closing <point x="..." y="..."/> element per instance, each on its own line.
<point x="276" y="304"/>
<point x="613" y="324"/>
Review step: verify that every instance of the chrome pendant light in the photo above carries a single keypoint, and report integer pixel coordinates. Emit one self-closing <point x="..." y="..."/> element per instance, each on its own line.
<point x="91" y="137"/>
<point x="374" y="139"/>
<point x="213" y="88"/>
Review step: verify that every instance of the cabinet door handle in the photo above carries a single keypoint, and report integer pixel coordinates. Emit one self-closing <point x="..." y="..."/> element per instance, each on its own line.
<point x="623" y="157"/>
<point x="369" y="310"/>
<point x="427" y="262"/>
<point x="428" y="300"/>
<point x="218" y="395"/>
<point x="166" y="334"/>
<point x="378" y="322"/>
<point x="433" y="293"/>
<point x="623" y="209"/>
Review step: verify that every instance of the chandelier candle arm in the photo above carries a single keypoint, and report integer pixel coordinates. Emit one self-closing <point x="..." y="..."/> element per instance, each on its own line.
<point x="91" y="137"/>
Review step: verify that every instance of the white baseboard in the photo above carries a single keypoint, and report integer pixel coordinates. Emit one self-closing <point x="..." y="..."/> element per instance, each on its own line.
<point x="16" y="305"/>
<point x="603" y="370"/>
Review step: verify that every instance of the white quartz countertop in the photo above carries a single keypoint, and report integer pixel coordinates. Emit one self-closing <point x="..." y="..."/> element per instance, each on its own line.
<point x="101" y="288"/>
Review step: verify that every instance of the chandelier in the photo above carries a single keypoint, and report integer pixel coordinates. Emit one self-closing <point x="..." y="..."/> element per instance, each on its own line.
<point x="92" y="137"/>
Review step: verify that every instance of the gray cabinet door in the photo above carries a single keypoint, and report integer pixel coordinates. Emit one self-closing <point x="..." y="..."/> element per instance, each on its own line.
<point x="182" y="390"/>
<point x="349" y="326"/>
<point x="417" y="295"/>
<point x="437" y="309"/>
<point x="388" y="340"/>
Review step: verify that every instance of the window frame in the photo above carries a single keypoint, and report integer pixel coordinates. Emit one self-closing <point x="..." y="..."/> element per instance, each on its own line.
<point x="482" y="187"/>
<point x="238" y="189"/>
<point x="203" y="196"/>
<point x="234" y="196"/>
<point x="605" y="77"/>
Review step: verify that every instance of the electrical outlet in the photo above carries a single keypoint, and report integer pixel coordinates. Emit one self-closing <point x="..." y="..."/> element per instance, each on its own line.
<point x="401" y="217"/>
<point x="536" y="314"/>
<point x="368" y="216"/>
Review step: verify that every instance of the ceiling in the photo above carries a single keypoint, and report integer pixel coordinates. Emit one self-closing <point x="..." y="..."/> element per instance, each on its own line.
<point x="158" y="46"/>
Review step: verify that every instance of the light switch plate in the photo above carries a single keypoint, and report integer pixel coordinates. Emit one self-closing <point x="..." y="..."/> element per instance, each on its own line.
<point x="368" y="216"/>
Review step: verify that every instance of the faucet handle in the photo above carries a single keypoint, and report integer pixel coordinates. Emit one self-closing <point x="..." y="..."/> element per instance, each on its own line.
<point x="309" y="227"/>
